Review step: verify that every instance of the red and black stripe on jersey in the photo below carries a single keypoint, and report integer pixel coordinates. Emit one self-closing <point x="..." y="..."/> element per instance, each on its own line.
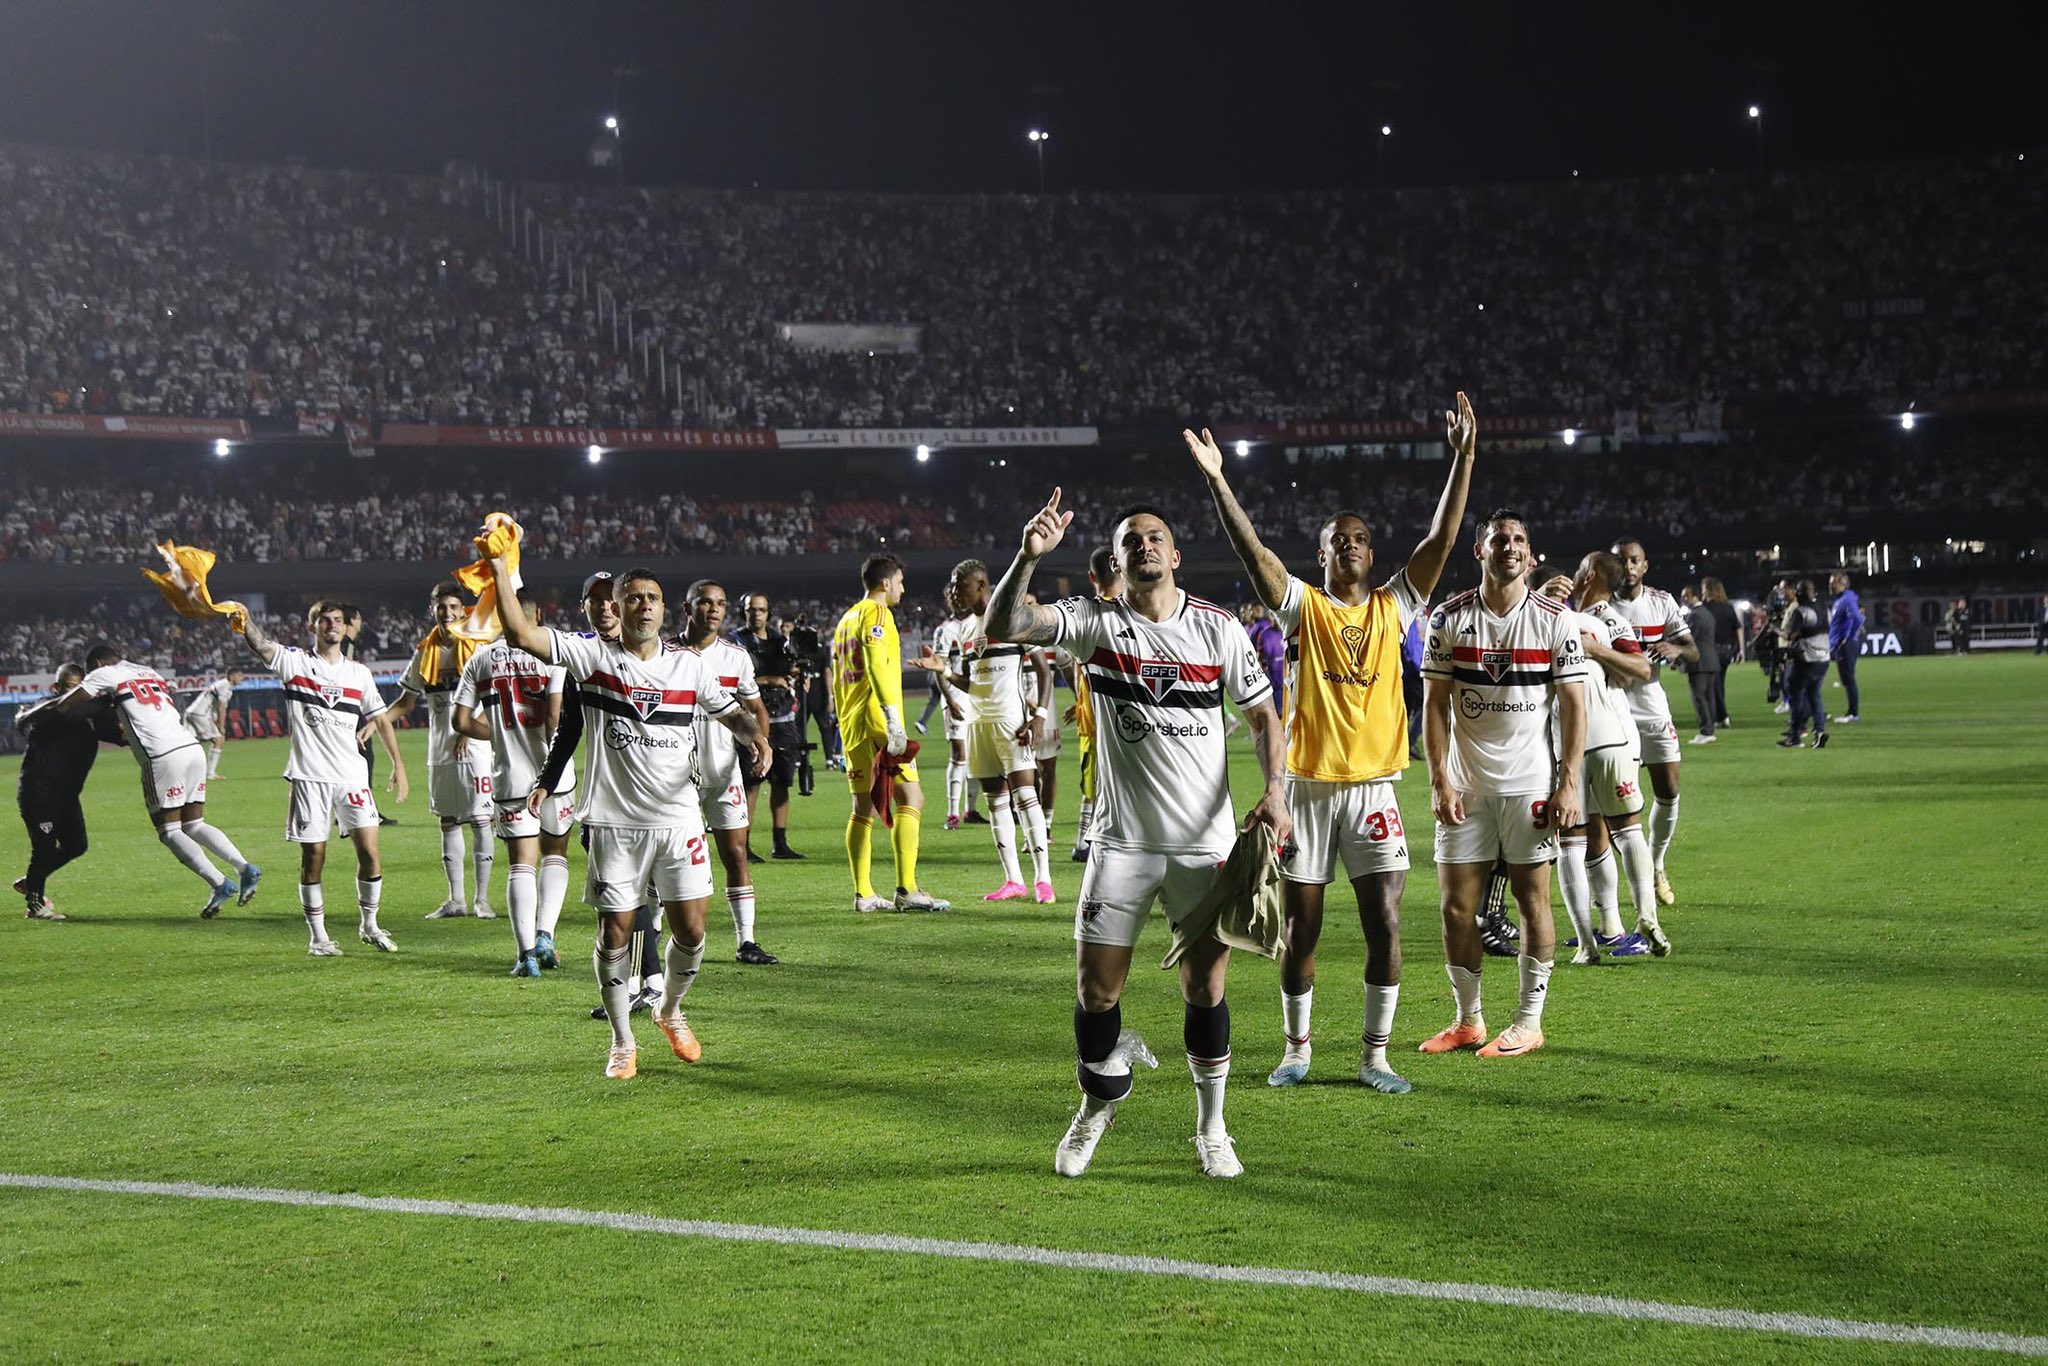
<point x="1155" y="682"/>
<point x="607" y="692"/>
<point x="311" y="692"/>
<point x="1516" y="668"/>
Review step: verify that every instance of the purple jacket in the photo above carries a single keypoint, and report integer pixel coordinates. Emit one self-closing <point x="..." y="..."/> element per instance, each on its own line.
<point x="1272" y="648"/>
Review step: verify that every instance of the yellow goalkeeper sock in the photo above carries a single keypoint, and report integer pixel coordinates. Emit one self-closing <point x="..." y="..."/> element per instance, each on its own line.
<point x="909" y="820"/>
<point x="859" y="854"/>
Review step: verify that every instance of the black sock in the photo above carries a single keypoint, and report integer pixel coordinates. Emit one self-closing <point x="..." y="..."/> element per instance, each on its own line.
<point x="1205" y="1030"/>
<point x="1095" y="1033"/>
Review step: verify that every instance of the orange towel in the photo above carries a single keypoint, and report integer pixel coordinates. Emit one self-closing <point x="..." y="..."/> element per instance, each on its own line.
<point x="500" y="536"/>
<point x="182" y="581"/>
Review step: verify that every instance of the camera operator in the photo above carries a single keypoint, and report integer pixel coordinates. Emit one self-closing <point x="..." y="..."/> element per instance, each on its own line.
<point x="1771" y="656"/>
<point x="1803" y="631"/>
<point x="1957" y="624"/>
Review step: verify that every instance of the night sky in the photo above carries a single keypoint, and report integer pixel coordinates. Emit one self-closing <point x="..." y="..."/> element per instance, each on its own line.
<point x="914" y="96"/>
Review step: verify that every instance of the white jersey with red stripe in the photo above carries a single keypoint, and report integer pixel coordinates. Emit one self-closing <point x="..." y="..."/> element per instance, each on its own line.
<point x="641" y="719"/>
<point x="209" y="701"/>
<point x="149" y="709"/>
<point x="1608" y="724"/>
<point x="440" y="701"/>
<point x="327" y="704"/>
<point x="948" y="644"/>
<point x="510" y="689"/>
<point x="718" y="753"/>
<point x="995" y="669"/>
<point x="1658" y="620"/>
<point x="1162" y="777"/>
<point x="1504" y="673"/>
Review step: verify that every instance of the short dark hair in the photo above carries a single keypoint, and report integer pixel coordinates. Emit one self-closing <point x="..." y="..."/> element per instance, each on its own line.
<point x="350" y="612"/>
<point x="638" y="574"/>
<point x="1102" y="566"/>
<point x="1606" y="569"/>
<point x="1339" y="516"/>
<point x="1803" y="590"/>
<point x="446" y="588"/>
<point x="878" y="569"/>
<point x="1622" y="543"/>
<point x="967" y="569"/>
<point x="1496" y="516"/>
<point x="101" y="653"/>
<point x="526" y="599"/>
<point x="1147" y="510"/>
<point x="698" y="586"/>
<point x="767" y="603"/>
<point x="321" y="606"/>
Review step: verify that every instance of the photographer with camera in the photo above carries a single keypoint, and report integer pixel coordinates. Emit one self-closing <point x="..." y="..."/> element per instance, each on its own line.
<point x="1803" y="632"/>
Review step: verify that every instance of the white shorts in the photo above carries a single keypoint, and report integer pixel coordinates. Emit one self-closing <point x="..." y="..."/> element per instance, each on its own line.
<point x="1513" y="828"/>
<point x="1049" y="748"/>
<point x="1358" y="822"/>
<point x="993" y="752"/>
<point x="1660" y="741"/>
<point x="725" y="808"/>
<point x="625" y="863"/>
<point x="1613" y="785"/>
<point x="174" y="779"/>
<point x="202" y="726"/>
<point x="459" y="792"/>
<point x="1120" y="885"/>
<point x="956" y="726"/>
<point x="557" y="810"/>
<point x="317" y="808"/>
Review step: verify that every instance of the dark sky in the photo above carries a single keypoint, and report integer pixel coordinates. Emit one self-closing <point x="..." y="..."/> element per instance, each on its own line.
<point x="875" y="94"/>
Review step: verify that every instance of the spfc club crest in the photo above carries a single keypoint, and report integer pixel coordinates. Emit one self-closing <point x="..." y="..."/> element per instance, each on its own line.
<point x="644" y="700"/>
<point x="1158" y="677"/>
<point x="331" y="694"/>
<point x="1496" y="662"/>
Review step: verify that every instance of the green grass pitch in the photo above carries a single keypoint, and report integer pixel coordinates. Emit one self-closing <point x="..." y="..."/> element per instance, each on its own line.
<point x="1829" y="1101"/>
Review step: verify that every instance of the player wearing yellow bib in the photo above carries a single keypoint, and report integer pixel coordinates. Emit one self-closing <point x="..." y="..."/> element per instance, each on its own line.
<point x="1108" y="582"/>
<point x="867" y="689"/>
<point x="1347" y="727"/>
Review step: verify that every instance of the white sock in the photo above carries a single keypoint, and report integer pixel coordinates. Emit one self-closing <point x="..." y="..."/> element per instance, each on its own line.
<point x="1295" y="1012"/>
<point x="1601" y="876"/>
<point x="1535" y="987"/>
<point x="740" y="901"/>
<point x="1576" y="888"/>
<point x="215" y="842"/>
<point x="520" y="896"/>
<point x="1379" y="1022"/>
<point x="311" y="903"/>
<point x="451" y="860"/>
<point x="483" y="854"/>
<point x="172" y="835"/>
<point x="956" y="787"/>
<point x="1465" y="989"/>
<point x="681" y="962"/>
<point x="1031" y="816"/>
<point x="1634" y="854"/>
<point x="369" y="890"/>
<point x="554" y="887"/>
<point x="1663" y="825"/>
<point x="1083" y="821"/>
<point x="1004" y="826"/>
<point x="613" y="967"/>
<point x="1210" y="1081"/>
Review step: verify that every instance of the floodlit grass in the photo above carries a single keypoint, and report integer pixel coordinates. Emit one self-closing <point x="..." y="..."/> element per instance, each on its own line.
<point x="1828" y="1101"/>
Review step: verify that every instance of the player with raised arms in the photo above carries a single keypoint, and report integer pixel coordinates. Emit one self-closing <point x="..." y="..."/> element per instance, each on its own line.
<point x="1159" y="662"/>
<point x="1347" y="739"/>
<point x="510" y="699"/>
<point x="332" y="703"/>
<point x="1515" y="732"/>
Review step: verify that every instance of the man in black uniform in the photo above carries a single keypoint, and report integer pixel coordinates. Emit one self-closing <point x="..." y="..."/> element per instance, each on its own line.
<point x="61" y="748"/>
<point x="775" y="670"/>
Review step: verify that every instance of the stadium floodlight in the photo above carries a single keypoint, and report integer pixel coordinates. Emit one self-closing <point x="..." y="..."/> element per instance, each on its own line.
<point x="221" y="448"/>
<point x="1386" y="130"/>
<point x="593" y="453"/>
<point x="1038" y="135"/>
<point x="1244" y="448"/>
<point x="1906" y="421"/>
<point x="924" y="452"/>
<point x="1756" y="111"/>
<point x="611" y="123"/>
<point x="1482" y="308"/>
<point x="1571" y="436"/>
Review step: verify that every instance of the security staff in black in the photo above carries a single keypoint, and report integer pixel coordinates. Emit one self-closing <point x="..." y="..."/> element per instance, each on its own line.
<point x="775" y="669"/>
<point x="60" y="752"/>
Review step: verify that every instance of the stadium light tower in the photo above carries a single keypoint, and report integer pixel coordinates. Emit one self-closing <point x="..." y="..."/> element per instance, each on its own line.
<point x="1038" y="137"/>
<point x="1571" y="436"/>
<point x="924" y="453"/>
<point x="221" y="447"/>
<point x="593" y="453"/>
<point x="1244" y="448"/>
<point x="1906" y="421"/>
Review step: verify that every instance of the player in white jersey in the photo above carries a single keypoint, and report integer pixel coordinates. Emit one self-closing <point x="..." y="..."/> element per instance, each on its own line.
<point x="510" y="699"/>
<point x="458" y="767"/>
<point x="332" y="703"/>
<point x="947" y="647"/>
<point x="206" y="716"/>
<point x="1613" y="783"/>
<point x="173" y="768"/>
<point x="1000" y="734"/>
<point x="1500" y="665"/>
<point x="1159" y="664"/>
<point x="640" y="804"/>
<point x="721" y="770"/>
<point x="1666" y="639"/>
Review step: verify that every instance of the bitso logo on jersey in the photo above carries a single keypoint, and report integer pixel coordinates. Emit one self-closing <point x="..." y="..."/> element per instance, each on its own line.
<point x="1495" y="662"/>
<point x="645" y="701"/>
<point x="331" y="694"/>
<point x="1158" y="677"/>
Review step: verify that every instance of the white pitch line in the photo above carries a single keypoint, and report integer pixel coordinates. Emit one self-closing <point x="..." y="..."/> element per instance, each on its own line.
<point x="1499" y="1296"/>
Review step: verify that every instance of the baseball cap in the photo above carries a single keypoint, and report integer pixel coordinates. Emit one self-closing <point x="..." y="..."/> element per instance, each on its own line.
<point x="602" y="576"/>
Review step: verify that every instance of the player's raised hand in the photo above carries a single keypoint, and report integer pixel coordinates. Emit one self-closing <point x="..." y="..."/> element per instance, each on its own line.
<point x="1047" y="529"/>
<point x="1207" y="453"/>
<point x="1461" y="429"/>
<point x="928" y="661"/>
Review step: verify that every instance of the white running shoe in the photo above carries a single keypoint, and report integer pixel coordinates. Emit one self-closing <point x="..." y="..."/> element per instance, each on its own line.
<point x="377" y="938"/>
<point x="1660" y="942"/>
<point x="1219" y="1155"/>
<point x="1703" y="739"/>
<point x="1586" y="957"/>
<point x="921" y="900"/>
<point x="451" y="909"/>
<point x="1077" y="1148"/>
<point x="324" y="948"/>
<point x="1293" y="1068"/>
<point x="482" y="911"/>
<point x="864" y="904"/>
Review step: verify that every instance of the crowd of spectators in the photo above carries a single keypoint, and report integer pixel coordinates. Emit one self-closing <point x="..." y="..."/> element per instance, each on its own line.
<point x="153" y="286"/>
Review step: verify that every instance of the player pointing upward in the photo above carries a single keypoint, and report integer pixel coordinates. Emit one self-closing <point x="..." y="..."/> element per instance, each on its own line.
<point x="1159" y="662"/>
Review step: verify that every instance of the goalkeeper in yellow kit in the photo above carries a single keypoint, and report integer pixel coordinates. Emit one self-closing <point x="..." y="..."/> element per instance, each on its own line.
<point x="867" y="689"/>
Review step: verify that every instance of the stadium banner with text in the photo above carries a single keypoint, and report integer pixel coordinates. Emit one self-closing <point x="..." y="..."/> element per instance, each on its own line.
<point x="1406" y="428"/>
<point x="938" y="438"/>
<point x="147" y="428"/>
<point x="888" y="339"/>
<point x="540" y="438"/>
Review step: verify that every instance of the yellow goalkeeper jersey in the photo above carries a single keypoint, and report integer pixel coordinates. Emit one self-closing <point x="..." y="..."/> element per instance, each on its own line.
<point x="867" y="669"/>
